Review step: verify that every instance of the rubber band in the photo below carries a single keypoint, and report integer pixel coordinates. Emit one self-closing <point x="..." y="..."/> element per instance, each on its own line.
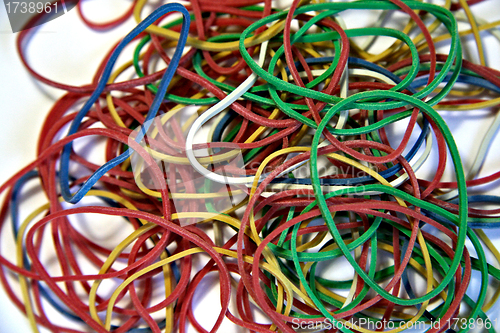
<point x="257" y="146"/>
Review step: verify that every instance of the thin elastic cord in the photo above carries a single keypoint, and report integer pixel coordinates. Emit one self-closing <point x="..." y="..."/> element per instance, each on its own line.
<point x="64" y="169"/>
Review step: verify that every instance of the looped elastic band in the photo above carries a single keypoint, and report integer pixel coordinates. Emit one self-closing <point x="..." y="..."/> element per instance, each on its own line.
<point x="268" y="157"/>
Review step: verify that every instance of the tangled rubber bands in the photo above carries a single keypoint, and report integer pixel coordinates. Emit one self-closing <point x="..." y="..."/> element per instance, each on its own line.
<point x="255" y="145"/>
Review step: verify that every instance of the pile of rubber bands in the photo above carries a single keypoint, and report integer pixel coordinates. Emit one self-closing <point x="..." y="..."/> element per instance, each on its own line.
<point x="258" y="141"/>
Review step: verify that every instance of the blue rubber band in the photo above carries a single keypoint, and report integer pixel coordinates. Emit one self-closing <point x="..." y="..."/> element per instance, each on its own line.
<point x="167" y="77"/>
